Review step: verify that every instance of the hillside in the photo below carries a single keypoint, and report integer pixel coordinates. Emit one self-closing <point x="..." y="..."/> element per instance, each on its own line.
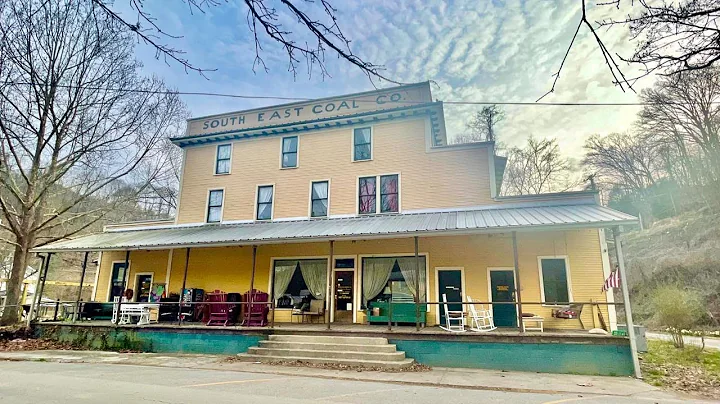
<point x="683" y="250"/>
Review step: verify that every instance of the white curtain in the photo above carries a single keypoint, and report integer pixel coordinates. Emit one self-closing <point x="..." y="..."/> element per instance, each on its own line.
<point x="314" y="273"/>
<point x="284" y="271"/>
<point x="319" y="198"/>
<point x="265" y="194"/>
<point x="376" y="273"/>
<point x="407" y="267"/>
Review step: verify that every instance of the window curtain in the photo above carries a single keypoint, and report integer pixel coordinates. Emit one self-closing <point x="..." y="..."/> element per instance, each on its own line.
<point x="407" y="268"/>
<point x="314" y="273"/>
<point x="265" y="202"/>
<point x="376" y="273"/>
<point x="320" y="198"/>
<point x="284" y="271"/>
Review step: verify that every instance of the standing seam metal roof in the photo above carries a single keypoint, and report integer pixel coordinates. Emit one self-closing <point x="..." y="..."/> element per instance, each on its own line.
<point x="375" y="226"/>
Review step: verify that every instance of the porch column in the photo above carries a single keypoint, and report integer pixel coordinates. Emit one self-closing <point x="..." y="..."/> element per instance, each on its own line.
<point x="417" y="286"/>
<point x="252" y="278"/>
<point x="518" y="296"/>
<point x="82" y="279"/>
<point x="272" y="295"/>
<point x="626" y="301"/>
<point x="124" y="284"/>
<point x="329" y="283"/>
<point x="182" y="290"/>
<point x="39" y="286"/>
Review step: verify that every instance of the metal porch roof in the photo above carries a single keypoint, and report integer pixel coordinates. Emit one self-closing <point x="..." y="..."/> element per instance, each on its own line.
<point x="488" y="220"/>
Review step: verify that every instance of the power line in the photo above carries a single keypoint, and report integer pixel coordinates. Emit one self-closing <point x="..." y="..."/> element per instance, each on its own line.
<point x="280" y="98"/>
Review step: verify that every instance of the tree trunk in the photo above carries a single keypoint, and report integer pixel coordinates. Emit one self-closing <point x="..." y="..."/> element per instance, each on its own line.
<point x="21" y="258"/>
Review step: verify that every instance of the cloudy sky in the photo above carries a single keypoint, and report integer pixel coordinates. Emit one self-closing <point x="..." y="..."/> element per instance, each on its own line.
<point x="496" y="51"/>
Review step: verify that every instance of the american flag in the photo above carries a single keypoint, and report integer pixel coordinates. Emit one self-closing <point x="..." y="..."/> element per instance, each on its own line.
<point x="612" y="281"/>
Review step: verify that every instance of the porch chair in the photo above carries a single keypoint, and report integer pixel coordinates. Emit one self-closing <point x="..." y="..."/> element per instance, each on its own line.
<point x="454" y="320"/>
<point x="480" y="320"/>
<point x="218" y="310"/>
<point x="116" y="306"/>
<point x="255" y="313"/>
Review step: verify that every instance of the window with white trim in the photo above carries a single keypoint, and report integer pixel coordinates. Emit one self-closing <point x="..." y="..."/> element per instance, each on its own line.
<point x="289" y="152"/>
<point x="222" y="159"/>
<point x="389" y="198"/>
<point x="554" y="279"/>
<point x="319" y="198"/>
<point x="362" y="144"/>
<point x="215" y="204"/>
<point x="264" y="202"/>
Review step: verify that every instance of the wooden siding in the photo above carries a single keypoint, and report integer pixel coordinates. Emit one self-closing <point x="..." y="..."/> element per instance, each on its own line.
<point x="456" y="177"/>
<point x="229" y="268"/>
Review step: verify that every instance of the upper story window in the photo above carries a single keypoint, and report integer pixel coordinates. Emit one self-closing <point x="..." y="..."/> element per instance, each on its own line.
<point x="222" y="159"/>
<point x="264" y="202"/>
<point x="362" y="144"/>
<point x="215" y="205"/>
<point x="555" y="286"/>
<point x="289" y="152"/>
<point x="389" y="201"/>
<point x="319" y="198"/>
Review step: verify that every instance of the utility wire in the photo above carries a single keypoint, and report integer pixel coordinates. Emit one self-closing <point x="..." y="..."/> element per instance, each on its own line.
<point x="280" y="98"/>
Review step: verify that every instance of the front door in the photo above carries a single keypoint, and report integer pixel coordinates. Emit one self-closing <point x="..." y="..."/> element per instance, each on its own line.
<point x="117" y="280"/>
<point x="143" y="283"/>
<point x="450" y="285"/>
<point x="344" y="296"/>
<point x="502" y="289"/>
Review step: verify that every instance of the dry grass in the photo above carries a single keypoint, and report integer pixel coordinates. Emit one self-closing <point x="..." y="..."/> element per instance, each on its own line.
<point x="689" y="370"/>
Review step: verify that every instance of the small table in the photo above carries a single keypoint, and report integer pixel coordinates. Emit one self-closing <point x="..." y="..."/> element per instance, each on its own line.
<point x="534" y="319"/>
<point x="142" y="311"/>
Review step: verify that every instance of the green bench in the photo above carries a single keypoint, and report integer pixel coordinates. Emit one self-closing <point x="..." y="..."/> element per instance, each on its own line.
<point x="401" y="313"/>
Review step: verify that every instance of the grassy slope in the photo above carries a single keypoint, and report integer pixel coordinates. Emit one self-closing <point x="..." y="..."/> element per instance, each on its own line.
<point x="689" y="370"/>
<point x="684" y="250"/>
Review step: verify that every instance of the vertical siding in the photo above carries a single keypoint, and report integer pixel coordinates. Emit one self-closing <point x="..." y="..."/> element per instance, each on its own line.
<point x="452" y="178"/>
<point x="229" y="268"/>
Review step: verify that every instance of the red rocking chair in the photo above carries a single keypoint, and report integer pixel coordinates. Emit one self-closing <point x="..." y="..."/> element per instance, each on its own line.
<point x="256" y="311"/>
<point x="219" y="310"/>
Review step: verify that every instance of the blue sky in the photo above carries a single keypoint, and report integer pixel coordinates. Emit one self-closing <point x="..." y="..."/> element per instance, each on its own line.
<point x="474" y="50"/>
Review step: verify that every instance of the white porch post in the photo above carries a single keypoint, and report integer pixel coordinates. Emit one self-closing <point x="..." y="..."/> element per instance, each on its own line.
<point x="626" y="302"/>
<point x="518" y="297"/>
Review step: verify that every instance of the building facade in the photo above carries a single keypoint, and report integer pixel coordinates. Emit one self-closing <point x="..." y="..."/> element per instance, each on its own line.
<point x="356" y="201"/>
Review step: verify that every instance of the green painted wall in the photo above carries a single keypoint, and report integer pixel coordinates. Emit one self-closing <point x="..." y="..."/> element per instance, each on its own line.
<point x="201" y="343"/>
<point x="590" y="359"/>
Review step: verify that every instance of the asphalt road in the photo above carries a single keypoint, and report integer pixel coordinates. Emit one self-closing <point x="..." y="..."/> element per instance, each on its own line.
<point x="46" y="382"/>
<point x="713" y="343"/>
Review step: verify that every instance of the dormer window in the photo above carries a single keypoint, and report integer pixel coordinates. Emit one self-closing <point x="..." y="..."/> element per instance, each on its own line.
<point x="362" y="144"/>
<point x="222" y="159"/>
<point x="289" y="152"/>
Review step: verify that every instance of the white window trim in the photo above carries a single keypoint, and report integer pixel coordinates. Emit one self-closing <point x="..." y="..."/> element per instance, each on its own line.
<point x="272" y="204"/>
<point x="217" y="150"/>
<point x="297" y="154"/>
<point x="377" y="194"/>
<point x="352" y="143"/>
<point x="127" y="276"/>
<point x="310" y="199"/>
<point x="359" y="269"/>
<point x="152" y="281"/>
<point x="567" y="276"/>
<point x="207" y="204"/>
<point x="308" y="257"/>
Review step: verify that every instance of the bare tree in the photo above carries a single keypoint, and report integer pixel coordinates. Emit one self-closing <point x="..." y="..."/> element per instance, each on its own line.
<point x="536" y="168"/>
<point x="83" y="121"/>
<point x="623" y="160"/>
<point x="263" y="21"/>
<point x="482" y="127"/>
<point x="671" y="37"/>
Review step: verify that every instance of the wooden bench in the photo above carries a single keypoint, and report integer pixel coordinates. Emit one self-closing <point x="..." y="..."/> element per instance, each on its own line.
<point x="537" y="320"/>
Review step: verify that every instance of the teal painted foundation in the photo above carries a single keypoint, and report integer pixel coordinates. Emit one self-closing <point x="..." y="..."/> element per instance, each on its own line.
<point x="601" y="359"/>
<point x="610" y="356"/>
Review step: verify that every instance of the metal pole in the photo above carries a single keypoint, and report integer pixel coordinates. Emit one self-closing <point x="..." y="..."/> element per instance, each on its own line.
<point x="518" y="298"/>
<point x="182" y="291"/>
<point x="82" y="279"/>
<point x="126" y="274"/>
<point x="626" y="301"/>
<point x="329" y="282"/>
<point x="272" y="296"/>
<point x="417" y="286"/>
<point x="43" y="277"/>
<point x="35" y="296"/>
<point x="252" y="283"/>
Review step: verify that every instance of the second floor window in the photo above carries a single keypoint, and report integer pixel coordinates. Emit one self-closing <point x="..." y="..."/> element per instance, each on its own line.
<point x="319" y="197"/>
<point x="215" y="203"/>
<point x="389" y="194"/>
<point x="362" y="144"/>
<point x="264" y="202"/>
<point x="289" y="152"/>
<point x="222" y="159"/>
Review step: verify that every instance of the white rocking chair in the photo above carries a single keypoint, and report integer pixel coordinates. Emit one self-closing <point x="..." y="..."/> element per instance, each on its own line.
<point x="454" y="320"/>
<point x="480" y="320"/>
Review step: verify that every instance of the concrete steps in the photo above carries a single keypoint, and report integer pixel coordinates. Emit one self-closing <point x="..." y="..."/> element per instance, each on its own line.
<point x="352" y="351"/>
